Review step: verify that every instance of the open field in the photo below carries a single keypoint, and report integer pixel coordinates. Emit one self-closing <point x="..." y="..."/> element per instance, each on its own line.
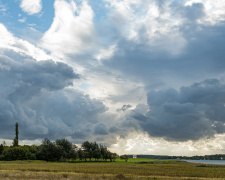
<point x="133" y="169"/>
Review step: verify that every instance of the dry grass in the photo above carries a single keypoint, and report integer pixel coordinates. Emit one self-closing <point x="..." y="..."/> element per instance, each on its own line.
<point x="160" y="170"/>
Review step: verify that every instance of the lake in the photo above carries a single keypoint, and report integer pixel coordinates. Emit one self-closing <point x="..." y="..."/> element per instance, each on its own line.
<point x="207" y="161"/>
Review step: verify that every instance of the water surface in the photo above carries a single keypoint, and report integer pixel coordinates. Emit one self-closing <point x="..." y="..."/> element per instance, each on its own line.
<point x="222" y="162"/>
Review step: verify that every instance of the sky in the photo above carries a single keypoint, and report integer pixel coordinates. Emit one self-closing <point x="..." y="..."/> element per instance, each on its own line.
<point x="140" y="76"/>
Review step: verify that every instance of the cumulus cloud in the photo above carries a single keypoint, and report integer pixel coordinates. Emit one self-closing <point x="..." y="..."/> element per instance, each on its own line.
<point x="72" y="30"/>
<point x="25" y="79"/>
<point x="36" y="94"/>
<point x="9" y="42"/>
<point x="150" y="21"/>
<point x="201" y="57"/>
<point x="31" y="6"/>
<point x="192" y="113"/>
<point x="39" y="96"/>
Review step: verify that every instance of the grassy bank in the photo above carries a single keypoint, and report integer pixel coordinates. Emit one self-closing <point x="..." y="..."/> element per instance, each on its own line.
<point x="133" y="169"/>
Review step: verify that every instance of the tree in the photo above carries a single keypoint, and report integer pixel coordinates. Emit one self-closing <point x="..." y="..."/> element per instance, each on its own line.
<point x="80" y="154"/>
<point x="113" y="156"/>
<point x="72" y="154"/>
<point x="97" y="154"/>
<point x="1" y="148"/>
<point x="15" y="153"/>
<point x="88" y="150"/>
<point x="16" y="139"/>
<point x="125" y="157"/>
<point x="104" y="152"/>
<point x="66" y="147"/>
<point x="86" y="146"/>
<point x="49" y="151"/>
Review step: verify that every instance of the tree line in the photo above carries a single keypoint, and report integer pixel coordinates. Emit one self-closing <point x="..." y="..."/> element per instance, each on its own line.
<point x="60" y="150"/>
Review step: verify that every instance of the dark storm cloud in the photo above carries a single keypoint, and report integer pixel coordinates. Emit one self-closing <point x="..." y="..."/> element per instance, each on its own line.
<point x="35" y="94"/>
<point x="191" y="113"/>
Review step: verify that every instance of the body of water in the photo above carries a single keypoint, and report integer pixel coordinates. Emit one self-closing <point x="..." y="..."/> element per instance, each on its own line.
<point x="222" y="162"/>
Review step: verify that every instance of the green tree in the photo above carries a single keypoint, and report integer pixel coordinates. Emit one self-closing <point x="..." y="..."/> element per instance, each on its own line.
<point x="49" y="151"/>
<point x="86" y="155"/>
<point x="15" y="153"/>
<point x="114" y="156"/>
<point x="88" y="150"/>
<point x="104" y="152"/>
<point x="124" y="157"/>
<point x="97" y="154"/>
<point x="66" y="147"/>
<point x="16" y="139"/>
<point x="73" y="154"/>
<point x="80" y="154"/>
<point x="86" y="146"/>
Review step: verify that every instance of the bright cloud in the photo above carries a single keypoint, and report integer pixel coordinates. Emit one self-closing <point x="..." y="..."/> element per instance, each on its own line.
<point x="8" y="41"/>
<point x="72" y="30"/>
<point x="31" y="6"/>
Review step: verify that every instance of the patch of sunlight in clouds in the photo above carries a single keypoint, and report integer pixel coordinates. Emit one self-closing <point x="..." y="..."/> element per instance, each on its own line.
<point x="141" y="143"/>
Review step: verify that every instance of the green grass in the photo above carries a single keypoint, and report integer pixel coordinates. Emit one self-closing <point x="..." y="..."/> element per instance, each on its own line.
<point x="133" y="169"/>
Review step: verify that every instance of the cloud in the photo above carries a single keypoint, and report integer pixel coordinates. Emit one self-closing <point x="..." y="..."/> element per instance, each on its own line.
<point x="72" y="30"/>
<point x="192" y="113"/>
<point x="213" y="9"/>
<point x="31" y="7"/>
<point x="101" y="129"/>
<point x="125" y="107"/>
<point x="36" y="94"/>
<point x="40" y="97"/>
<point x="24" y="79"/>
<point x="195" y="11"/>
<point x="154" y="23"/>
<point x="155" y="68"/>
<point x="141" y="143"/>
<point x="9" y="42"/>
<point x="3" y="9"/>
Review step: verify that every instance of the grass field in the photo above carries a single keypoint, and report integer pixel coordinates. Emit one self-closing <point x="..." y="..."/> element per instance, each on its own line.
<point x="133" y="169"/>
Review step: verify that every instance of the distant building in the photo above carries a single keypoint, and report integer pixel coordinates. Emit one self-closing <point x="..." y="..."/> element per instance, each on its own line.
<point x="134" y="156"/>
